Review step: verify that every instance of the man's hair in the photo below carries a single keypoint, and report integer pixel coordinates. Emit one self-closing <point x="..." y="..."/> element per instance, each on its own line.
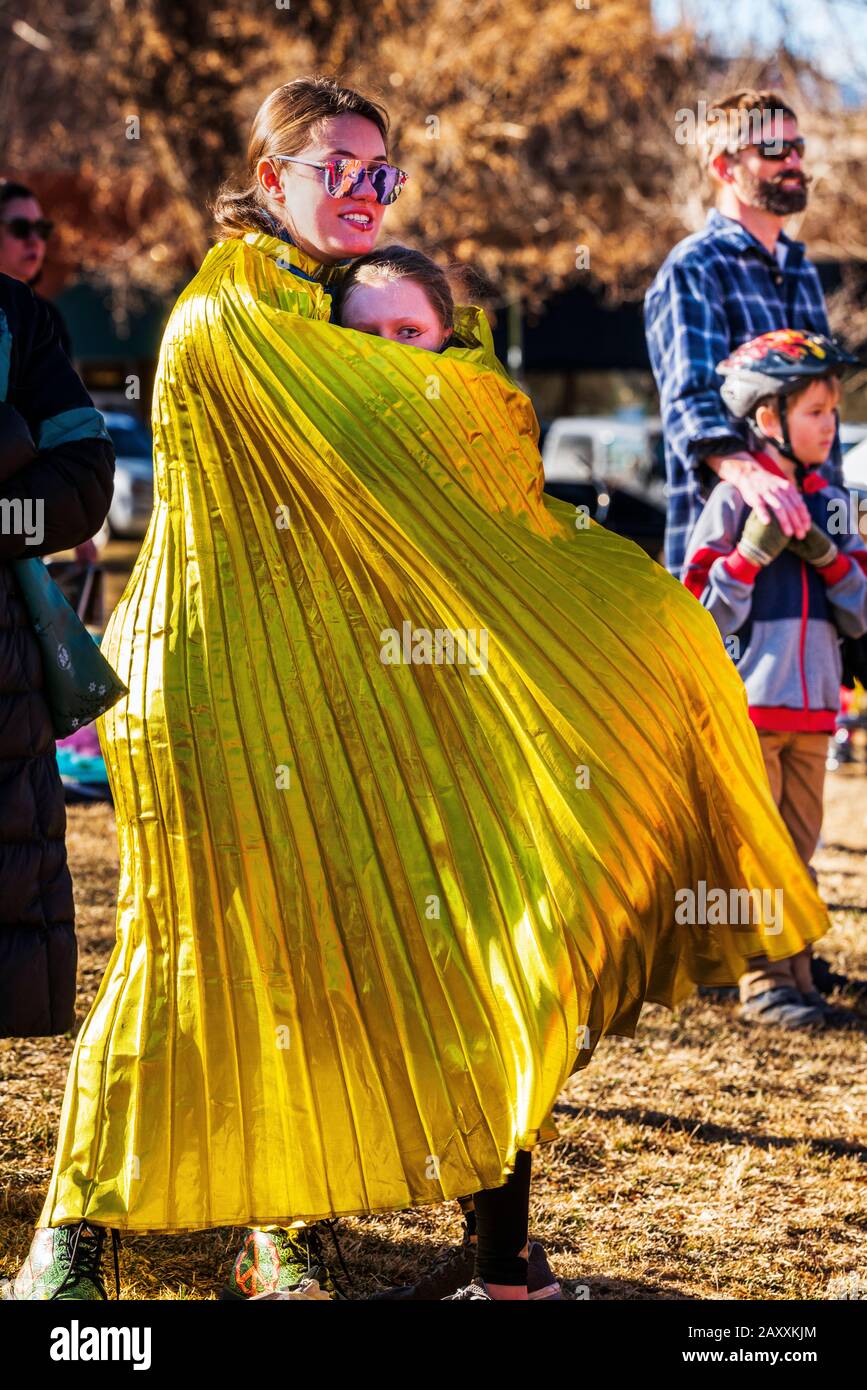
<point x="741" y="118"/>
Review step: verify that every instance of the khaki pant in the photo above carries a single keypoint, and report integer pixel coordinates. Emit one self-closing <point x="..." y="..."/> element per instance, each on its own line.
<point x="796" y="771"/>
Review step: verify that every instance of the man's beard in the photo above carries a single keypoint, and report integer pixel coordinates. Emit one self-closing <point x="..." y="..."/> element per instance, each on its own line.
<point x="771" y="196"/>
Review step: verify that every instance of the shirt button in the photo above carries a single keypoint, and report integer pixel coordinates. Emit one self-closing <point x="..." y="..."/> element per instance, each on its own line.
<point x="778" y="279"/>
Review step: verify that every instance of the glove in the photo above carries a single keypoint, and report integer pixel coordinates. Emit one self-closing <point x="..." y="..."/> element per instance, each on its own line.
<point x="816" y="548"/>
<point x="16" y="442"/>
<point x="761" y="541"/>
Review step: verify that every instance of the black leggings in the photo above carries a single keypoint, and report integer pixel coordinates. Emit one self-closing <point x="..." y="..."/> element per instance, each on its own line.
<point x="502" y="1225"/>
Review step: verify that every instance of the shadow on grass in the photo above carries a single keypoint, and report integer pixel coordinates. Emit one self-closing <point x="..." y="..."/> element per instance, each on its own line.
<point x="714" y="1134"/>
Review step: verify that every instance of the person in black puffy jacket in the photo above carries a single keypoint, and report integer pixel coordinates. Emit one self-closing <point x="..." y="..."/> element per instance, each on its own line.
<point x="56" y="478"/>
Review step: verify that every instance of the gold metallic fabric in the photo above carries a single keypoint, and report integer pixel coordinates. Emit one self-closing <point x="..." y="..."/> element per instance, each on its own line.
<point x="376" y="901"/>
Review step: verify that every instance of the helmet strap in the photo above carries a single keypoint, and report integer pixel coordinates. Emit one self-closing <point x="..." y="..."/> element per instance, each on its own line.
<point x="784" y="445"/>
<point x="786" y="450"/>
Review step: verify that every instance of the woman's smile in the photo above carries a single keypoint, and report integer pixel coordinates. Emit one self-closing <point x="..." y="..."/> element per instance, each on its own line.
<point x="357" y="217"/>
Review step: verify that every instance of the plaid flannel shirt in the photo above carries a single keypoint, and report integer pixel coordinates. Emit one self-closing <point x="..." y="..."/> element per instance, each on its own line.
<point x="717" y="289"/>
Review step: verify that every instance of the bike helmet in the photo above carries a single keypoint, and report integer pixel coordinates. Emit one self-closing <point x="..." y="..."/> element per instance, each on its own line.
<point x="777" y="363"/>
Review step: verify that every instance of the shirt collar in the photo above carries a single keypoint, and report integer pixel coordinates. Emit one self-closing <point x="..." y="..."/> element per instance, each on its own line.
<point x="813" y="480"/>
<point x="291" y="258"/>
<point x="736" y="233"/>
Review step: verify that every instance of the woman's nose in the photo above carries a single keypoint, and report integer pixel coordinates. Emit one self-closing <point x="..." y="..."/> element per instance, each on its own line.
<point x="366" y="189"/>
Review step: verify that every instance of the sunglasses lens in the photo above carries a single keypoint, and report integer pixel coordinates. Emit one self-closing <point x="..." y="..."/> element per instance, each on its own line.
<point x="386" y="179"/>
<point x="345" y="176"/>
<point x="782" y="150"/>
<point x="22" y="228"/>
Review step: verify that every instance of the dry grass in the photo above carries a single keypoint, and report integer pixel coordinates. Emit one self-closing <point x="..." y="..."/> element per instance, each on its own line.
<point x="703" y="1159"/>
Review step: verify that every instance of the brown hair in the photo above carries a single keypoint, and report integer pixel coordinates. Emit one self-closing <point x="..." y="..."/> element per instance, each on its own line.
<point x="832" y="381"/>
<point x="722" y="130"/>
<point x="402" y="263"/>
<point x="285" y="123"/>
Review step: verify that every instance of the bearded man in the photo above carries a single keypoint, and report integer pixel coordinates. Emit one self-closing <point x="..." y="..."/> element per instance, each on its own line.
<point x="738" y="277"/>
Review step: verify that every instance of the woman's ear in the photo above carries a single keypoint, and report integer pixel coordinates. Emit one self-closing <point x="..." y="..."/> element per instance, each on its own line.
<point x="269" y="181"/>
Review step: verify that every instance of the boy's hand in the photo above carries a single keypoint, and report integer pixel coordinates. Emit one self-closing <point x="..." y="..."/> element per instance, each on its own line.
<point x="816" y="548"/>
<point x="762" y="541"/>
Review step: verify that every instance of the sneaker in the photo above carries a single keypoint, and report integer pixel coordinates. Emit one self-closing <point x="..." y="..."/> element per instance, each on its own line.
<point x="783" y="1006"/>
<point x="826" y="980"/>
<point x="281" y="1263"/>
<point x="478" y="1289"/>
<point x="64" y="1262"/>
<point x="542" y="1284"/>
<point x="814" y="1000"/>
<point x="307" y="1289"/>
<point x="455" y="1268"/>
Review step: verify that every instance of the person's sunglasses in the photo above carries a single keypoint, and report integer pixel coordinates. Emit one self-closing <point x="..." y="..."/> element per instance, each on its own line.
<point x="344" y="177"/>
<point x="22" y="227"/>
<point x="781" y="149"/>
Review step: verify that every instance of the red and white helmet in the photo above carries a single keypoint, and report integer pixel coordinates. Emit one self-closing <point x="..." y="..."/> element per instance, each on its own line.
<point x="777" y="363"/>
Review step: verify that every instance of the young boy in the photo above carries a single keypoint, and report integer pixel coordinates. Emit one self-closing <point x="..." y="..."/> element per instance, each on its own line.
<point x="781" y="604"/>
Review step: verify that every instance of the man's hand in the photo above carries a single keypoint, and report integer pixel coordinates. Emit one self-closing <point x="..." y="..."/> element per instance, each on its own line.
<point x="761" y="541"/>
<point x="816" y="548"/>
<point x="765" y="493"/>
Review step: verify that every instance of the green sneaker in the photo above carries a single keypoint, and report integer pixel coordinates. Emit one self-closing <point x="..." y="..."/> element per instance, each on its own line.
<point x="282" y="1263"/>
<point x="64" y="1262"/>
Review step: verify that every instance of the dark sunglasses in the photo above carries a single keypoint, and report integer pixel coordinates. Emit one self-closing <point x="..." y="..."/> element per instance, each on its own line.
<point x="344" y="177"/>
<point x="781" y="149"/>
<point x="22" y="227"/>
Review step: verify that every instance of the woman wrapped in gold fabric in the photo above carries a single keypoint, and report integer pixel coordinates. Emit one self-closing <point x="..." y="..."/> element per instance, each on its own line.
<point x="414" y="771"/>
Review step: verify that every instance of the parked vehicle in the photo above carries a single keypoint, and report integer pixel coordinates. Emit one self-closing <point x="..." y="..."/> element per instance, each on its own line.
<point x="855" y="466"/>
<point x="851" y="435"/>
<point x="614" y="467"/>
<point x="133" y="499"/>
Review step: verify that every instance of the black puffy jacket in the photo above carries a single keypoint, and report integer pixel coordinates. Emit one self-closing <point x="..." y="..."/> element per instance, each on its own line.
<point x="61" y="488"/>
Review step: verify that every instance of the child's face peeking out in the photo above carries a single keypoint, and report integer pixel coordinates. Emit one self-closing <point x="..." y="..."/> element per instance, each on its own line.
<point x="395" y="309"/>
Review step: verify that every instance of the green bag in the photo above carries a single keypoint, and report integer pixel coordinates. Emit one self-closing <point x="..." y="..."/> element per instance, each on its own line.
<point x="79" y="683"/>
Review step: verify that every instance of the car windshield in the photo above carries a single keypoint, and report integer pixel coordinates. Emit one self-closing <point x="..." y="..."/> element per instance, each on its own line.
<point x="575" y="451"/>
<point x="131" y="438"/>
<point x="625" y="455"/>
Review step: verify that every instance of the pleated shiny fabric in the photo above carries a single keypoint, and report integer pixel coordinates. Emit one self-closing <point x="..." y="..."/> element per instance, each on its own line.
<point x="373" y="913"/>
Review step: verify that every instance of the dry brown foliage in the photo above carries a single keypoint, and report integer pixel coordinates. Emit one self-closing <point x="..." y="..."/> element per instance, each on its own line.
<point x="530" y="131"/>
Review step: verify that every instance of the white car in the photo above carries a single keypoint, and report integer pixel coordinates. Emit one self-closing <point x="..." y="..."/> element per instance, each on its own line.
<point x="620" y="453"/>
<point x="855" y="466"/>
<point x="614" y="467"/>
<point x="851" y="436"/>
<point x="133" y="500"/>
